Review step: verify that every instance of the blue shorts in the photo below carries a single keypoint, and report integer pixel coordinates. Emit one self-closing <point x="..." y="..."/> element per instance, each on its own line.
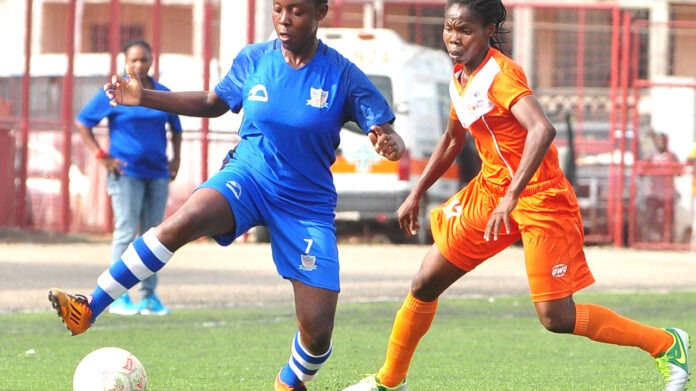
<point x="303" y="242"/>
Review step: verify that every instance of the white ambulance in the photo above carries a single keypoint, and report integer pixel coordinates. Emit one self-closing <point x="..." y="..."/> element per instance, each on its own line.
<point x="415" y="81"/>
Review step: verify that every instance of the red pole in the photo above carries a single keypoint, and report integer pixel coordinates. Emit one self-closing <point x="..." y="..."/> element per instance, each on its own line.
<point x="205" y="122"/>
<point x="114" y="49"/>
<point x="618" y="194"/>
<point x="67" y="116"/>
<point x="114" y="33"/>
<point x="251" y="17"/>
<point x="580" y="65"/>
<point x="157" y="35"/>
<point x="419" y="24"/>
<point x="613" y="92"/>
<point x="633" y="190"/>
<point x="632" y="218"/>
<point x="337" y="9"/>
<point x="21" y="216"/>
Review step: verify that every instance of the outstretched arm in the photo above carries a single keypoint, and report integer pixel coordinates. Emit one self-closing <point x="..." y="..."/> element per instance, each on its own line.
<point x="444" y="154"/>
<point x="130" y="92"/>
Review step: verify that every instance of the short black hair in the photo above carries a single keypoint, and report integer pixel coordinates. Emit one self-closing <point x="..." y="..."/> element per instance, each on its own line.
<point x="136" y="42"/>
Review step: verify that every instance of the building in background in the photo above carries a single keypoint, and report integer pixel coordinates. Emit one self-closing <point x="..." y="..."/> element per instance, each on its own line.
<point x="620" y="62"/>
<point x="562" y="44"/>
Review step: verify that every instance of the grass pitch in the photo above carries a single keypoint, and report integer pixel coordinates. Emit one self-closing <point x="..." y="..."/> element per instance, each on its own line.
<point x="474" y="344"/>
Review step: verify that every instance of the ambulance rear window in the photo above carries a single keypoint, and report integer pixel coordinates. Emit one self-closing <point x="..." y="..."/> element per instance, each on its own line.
<point x="383" y="83"/>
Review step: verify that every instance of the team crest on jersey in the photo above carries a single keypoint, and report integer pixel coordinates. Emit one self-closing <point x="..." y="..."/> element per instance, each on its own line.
<point x="317" y="98"/>
<point x="258" y="93"/>
<point x="235" y="188"/>
<point x="477" y="103"/>
<point x="308" y="262"/>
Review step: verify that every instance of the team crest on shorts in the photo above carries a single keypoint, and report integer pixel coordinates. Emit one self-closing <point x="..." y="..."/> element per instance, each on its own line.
<point x="308" y="262"/>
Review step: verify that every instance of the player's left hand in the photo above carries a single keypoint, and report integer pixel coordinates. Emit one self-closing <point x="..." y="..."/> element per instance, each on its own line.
<point x="388" y="144"/>
<point x="501" y="215"/>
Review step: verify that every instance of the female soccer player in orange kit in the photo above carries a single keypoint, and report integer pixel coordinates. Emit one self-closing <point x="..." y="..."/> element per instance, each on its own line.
<point x="520" y="193"/>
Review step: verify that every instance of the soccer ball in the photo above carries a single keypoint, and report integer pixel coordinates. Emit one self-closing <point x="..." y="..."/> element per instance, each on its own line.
<point x="110" y="369"/>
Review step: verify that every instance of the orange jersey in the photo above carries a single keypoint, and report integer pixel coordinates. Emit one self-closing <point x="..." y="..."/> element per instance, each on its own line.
<point x="547" y="217"/>
<point x="483" y="107"/>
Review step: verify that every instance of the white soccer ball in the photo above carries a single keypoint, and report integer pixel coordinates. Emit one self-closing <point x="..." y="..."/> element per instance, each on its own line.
<point x="110" y="369"/>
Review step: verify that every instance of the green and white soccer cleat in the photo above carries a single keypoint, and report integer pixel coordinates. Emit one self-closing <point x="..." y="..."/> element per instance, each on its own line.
<point x="371" y="383"/>
<point x="674" y="363"/>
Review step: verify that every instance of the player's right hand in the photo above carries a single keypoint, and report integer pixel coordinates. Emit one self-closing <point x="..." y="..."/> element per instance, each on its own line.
<point x="127" y="92"/>
<point x="408" y="215"/>
<point x="113" y="165"/>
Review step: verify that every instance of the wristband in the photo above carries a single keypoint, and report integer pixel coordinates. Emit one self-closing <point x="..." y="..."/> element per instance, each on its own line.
<point x="100" y="154"/>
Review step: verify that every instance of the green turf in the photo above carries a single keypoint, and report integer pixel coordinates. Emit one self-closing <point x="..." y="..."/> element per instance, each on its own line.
<point x="474" y="344"/>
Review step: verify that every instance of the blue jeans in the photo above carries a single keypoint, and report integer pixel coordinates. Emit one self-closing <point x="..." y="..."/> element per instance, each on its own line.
<point x="138" y="205"/>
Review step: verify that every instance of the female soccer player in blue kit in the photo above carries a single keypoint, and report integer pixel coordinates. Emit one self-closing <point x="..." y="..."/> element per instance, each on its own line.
<point x="296" y="93"/>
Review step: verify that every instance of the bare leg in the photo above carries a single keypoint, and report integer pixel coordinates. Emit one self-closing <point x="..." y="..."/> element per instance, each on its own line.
<point x="601" y="324"/>
<point x="315" y="309"/>
<point x="205" y="213"/>
<point x="435" y="275"/>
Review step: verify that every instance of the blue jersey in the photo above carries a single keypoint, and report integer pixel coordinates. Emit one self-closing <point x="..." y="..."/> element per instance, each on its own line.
<point x="293" y="117"/>
<point x="137" y="135"/>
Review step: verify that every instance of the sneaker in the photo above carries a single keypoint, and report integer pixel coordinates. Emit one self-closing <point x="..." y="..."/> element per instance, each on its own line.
<point x="371" y="383"/>
<point x="280" y="386"/>
<point x="73" y="309"/>
<point x="123" y="306"/>
<point x="152" y="305"/>
<point x="674" y="363"/>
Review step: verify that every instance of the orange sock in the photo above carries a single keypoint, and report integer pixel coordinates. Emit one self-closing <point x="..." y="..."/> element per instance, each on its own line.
<point x="604" y="325"/>
<point x="412" y="322"/>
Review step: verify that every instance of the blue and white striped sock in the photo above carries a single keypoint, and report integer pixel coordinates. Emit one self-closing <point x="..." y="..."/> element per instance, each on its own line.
<point x="144" y="257"/>
<point x="302" y="366"/>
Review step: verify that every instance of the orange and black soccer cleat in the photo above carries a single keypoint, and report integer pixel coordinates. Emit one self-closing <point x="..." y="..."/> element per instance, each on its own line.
<point x="73" y="309"/>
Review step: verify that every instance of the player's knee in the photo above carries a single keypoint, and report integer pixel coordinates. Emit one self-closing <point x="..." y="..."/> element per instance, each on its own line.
<point x="557" y="324"/>
<point x="315" y="334"/>
<point x="421" y="290"/>
<point x="317" y="343"/>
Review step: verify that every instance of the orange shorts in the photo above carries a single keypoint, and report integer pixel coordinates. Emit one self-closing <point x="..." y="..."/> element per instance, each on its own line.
<point x="547" y="219"/>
